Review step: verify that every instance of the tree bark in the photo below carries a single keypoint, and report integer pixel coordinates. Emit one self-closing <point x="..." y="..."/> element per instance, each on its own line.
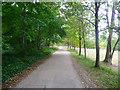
<point x="23" y="26"/>
<point x="74" y="47"/>
<point x="79" y="53"/>
<point x="96" y="34"/>
<point x="68" y="43"/>
<point x="23" y="38"/>
<point x="47" y="42"/>
<point x="84" y="43"/>
<point x="39" y="37"/>
<point x="108" y="56"/>
<point x="79" y="44"/>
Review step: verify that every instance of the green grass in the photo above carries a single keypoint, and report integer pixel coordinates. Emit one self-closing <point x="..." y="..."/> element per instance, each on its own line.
<point x="12" y="64"/>
<point x="103" y="76"/>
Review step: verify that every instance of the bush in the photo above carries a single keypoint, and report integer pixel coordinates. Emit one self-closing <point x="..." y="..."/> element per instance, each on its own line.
<point x="26" y="50"/>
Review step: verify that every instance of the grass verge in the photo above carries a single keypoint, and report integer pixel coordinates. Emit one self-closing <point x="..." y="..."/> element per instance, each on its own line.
<point x="11" y="65"/>
<point x="103" y="76"/>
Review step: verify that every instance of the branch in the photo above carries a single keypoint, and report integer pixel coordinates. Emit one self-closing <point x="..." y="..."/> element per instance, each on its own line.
<point x="115" y="45"/>
<point x="90" y="9"/>
<point x="90" y="21"/>
<point x="99" y="3"/>
<point x="107" y="15"/>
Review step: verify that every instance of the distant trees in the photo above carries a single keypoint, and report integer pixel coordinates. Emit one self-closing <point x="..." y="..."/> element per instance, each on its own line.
<point x="77" y="26"/>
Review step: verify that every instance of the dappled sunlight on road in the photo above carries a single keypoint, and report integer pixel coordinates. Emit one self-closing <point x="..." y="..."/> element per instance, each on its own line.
<point x="61" y="52"/>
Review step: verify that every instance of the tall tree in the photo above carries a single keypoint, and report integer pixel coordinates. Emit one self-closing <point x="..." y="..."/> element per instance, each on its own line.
<point x="97" y="5"/>
<point x="108" y="57"/>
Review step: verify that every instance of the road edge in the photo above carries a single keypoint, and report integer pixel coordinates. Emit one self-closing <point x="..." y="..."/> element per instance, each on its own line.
<point x="83" y="74"/>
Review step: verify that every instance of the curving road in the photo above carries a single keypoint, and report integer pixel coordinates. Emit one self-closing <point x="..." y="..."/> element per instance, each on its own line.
<point x="56" y="72"/>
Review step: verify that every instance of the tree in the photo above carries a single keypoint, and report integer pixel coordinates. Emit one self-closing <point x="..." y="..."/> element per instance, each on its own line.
<point x="29" y="26"/>
<point x="97" y="5"/>
<point x="109" y="52"/>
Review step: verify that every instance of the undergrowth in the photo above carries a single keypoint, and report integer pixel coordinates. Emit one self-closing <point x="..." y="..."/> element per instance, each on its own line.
<point x="13" y="64"/>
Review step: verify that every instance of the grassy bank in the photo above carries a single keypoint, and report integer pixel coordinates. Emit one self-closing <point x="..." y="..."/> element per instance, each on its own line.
<point x="103" y="76"/>
<point x="12" y="64"/>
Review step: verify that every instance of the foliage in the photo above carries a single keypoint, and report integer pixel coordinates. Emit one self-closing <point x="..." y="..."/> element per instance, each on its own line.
<point x="90" y="44"/>
<point x="31" y="24"/>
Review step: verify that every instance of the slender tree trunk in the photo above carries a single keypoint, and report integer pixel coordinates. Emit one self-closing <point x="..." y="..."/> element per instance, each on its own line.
<point x="39" y="38"/>
<point x="108" y="56"/>
<point x="71" y="46"/>
<point x="97" y="34"/>
<point x="79" y="53"/>
<point x="74" y="47"/>
<point x="68" y="43"/>
<point x="79" y="45"/>
<point x="84" y="43"/>
<point x="23" y="38"/>
<point x="107" y="49"/>
<point x="23" y="26"/>
<point x="48" y="42"/>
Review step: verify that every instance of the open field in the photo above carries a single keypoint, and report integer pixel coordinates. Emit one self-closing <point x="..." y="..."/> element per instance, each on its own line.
<point x="91" y="54"/>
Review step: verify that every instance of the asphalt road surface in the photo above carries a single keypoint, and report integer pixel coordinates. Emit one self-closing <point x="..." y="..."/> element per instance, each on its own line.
<point x="56" y="72"/>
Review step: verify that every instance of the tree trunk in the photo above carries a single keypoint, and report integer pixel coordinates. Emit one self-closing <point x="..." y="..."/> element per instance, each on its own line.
<point x="39" y="38"/>
<point x="68" y="44"/>
<point x="74" y="47"/>
<point x="23" y="38"/>
<point x="47" y="42"/>
<point x="79" y="53"/>
<point x="96" y="34"/>
<point x="84" y="43"/>
<point x="108" y="56"/>
<point x="23" y="26"/>
<point x="108" y="51"/>
<point x="79" y="45"/>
